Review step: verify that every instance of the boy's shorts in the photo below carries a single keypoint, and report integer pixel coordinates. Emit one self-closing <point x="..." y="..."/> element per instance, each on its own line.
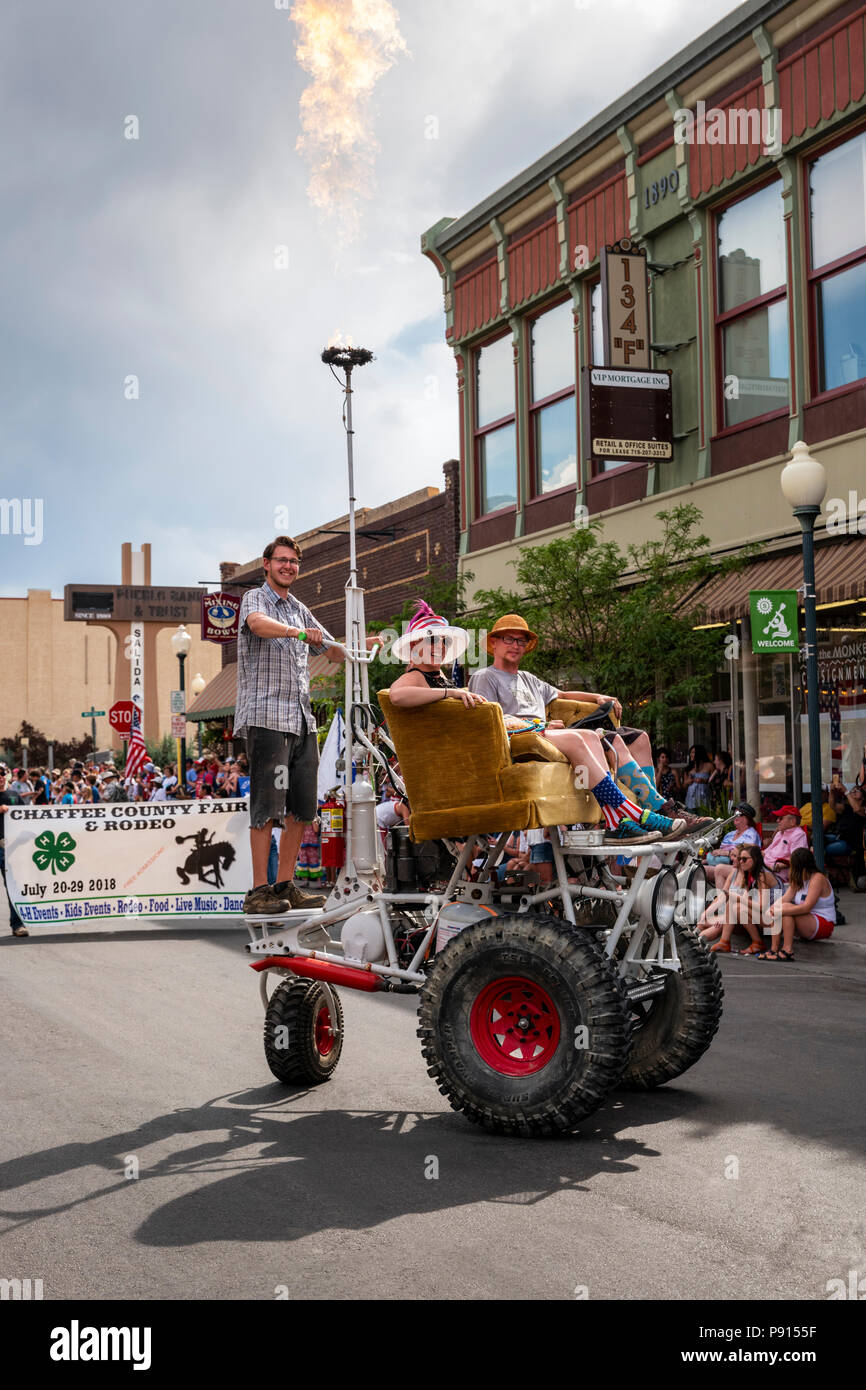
<point x="283" y="776"/>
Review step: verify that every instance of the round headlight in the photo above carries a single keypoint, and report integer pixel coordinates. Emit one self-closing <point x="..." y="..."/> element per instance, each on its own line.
<point x="663" y="903"/>
<point x="693" y="889"/>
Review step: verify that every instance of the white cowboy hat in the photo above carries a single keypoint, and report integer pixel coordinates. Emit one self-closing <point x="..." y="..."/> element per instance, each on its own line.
<point x="424" y="623"/>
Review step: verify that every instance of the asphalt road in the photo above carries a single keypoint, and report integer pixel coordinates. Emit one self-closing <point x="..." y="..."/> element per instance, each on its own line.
<point x="142" y="1049"/>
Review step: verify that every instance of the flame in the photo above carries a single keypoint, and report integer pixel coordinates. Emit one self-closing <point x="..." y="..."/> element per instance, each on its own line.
<point x="337" y="340"/>
<point x="345" y="46"/>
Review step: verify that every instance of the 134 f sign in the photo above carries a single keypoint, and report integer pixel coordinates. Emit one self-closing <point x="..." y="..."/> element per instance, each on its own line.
<point x="625" y="305"/>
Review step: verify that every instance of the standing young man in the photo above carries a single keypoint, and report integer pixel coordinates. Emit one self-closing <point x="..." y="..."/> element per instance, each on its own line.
<point x="276" y="632"/>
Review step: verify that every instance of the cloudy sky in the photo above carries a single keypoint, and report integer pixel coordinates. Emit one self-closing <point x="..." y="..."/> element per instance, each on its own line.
<point x="157" y="257"/>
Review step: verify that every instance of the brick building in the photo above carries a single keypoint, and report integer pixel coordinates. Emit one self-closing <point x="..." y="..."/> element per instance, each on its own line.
<point x="739" y="169"/>
<point x="398" y="544"/>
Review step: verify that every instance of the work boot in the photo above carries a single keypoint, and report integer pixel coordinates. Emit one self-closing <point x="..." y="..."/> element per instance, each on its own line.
<point x="694" y="824"/>
<point x="265" y="902"/>
<point x="297" y="897"/>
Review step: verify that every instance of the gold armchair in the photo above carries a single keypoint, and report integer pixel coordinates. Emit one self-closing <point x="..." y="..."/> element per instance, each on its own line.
<point x="463" y="778"/>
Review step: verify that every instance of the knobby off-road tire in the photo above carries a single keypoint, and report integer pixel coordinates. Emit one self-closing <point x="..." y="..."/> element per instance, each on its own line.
<point x="544" y="1074"/>
<point x="675" y="1028"/>
<point x="303" y="1032"/>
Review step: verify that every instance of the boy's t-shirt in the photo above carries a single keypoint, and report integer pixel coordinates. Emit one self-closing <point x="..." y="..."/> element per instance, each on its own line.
<point x="518" y="692"/>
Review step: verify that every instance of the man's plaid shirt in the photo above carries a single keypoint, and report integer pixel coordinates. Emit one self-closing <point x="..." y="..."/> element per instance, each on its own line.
<point x="273" y="680"/>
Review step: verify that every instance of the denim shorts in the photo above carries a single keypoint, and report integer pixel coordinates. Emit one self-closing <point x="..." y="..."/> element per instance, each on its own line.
<point x="541" y="853"/>
<point x="283" y="776"/>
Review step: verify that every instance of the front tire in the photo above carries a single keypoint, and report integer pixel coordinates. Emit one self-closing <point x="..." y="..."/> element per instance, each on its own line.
<point x="675" y="1028"/>
<point x="303" y="1032"/>
<point x="523" y="1025"/>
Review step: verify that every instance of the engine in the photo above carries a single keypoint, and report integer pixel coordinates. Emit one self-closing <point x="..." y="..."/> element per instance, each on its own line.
<point x="415" y="868"/>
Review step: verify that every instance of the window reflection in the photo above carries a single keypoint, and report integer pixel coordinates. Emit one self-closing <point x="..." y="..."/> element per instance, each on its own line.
<point x="751" y="248"/>
<point x="842" y="327"/>
<point x="838" y="196"/>
<point x="497" y="457"/>
<point x="555" y="447"/>
<point x="552" y="348"/>
<point x="495" y="381"/>
<point x="756" y="363"/>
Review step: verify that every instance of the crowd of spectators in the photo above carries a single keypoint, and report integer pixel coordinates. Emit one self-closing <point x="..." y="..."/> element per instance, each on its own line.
<point x="87" y="783"/>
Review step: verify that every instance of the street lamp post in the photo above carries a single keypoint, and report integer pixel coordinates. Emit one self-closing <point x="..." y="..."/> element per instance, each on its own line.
<point x="198" y="685"/>
<point x="181" y="643"/>
<point x="804" y="483"/>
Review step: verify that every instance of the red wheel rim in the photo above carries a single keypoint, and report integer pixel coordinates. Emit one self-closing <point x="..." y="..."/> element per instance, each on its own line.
<point x="515" y="1026"/>
<point x="324" y="1031"/>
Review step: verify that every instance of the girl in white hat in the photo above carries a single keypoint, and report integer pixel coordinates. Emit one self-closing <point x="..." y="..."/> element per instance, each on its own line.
<point x="428" y="644"/>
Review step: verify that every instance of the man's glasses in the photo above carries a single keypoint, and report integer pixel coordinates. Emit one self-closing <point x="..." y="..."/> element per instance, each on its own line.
<point x="514" y="641"/>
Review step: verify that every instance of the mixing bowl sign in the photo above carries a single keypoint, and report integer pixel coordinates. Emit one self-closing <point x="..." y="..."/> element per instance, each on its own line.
<point x="219" y="617"/>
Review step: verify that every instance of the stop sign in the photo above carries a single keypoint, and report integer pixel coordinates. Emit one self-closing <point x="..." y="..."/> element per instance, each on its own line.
<point x="120" y="717"/>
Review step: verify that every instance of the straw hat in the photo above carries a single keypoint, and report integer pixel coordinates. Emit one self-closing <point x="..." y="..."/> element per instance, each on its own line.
<point x="424" y="623"/>
<point x="512" y="622"/>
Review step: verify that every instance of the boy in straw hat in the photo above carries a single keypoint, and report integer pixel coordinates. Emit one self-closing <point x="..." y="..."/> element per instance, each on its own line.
<point x="522" y="694"/>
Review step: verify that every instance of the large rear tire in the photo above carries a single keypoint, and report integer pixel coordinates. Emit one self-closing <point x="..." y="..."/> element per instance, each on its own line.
<point x="674" y="1029"/>
<point x="523" y="1025"/>
<point x="303" y="1032"/>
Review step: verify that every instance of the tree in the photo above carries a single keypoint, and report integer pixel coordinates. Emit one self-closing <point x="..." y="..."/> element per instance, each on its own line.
<point x="621" y="622"/>
<point x="37" y="753"/>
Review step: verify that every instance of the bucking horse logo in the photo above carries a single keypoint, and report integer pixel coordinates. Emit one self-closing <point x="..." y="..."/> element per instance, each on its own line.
<point x="207" y="860"/>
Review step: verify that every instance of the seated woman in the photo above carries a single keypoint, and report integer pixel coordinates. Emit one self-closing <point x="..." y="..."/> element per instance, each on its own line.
<point x="710" y="923"/>
<point x="846" y="837"/>
<point x="430" y="641"/>
<point x="807" y="908"/>
<point x="746" y="901"/>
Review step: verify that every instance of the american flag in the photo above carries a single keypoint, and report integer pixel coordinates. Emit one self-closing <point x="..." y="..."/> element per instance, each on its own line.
<point x="136" y="753"/>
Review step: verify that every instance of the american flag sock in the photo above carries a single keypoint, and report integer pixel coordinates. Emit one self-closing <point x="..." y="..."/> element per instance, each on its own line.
<point x="615" y="805"/>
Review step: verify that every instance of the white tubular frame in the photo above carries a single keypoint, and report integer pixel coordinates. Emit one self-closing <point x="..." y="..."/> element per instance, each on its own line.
<point x="646" y="950"/>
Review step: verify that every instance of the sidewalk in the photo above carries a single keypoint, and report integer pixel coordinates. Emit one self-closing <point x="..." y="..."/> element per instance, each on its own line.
<point x="842" y="956"/>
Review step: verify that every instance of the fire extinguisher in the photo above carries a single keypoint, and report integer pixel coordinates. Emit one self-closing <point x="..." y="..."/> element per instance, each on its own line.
<point x="333" y="834"/>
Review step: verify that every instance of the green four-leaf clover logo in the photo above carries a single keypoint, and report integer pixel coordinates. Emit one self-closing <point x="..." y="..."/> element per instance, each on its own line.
<point x="55" y="853"/>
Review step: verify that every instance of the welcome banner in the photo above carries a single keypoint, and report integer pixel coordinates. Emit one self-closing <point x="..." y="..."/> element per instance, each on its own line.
<point x="137" y="860"/>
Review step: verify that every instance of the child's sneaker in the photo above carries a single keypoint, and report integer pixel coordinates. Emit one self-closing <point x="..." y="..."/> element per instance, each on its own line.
<point x="631" y="831"/>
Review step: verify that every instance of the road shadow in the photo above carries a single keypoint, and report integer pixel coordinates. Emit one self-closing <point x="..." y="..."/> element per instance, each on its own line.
<point x="315" y="1169"/>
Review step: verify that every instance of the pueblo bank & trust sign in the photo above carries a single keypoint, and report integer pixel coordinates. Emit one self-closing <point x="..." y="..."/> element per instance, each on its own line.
<point x="127" y="603"/>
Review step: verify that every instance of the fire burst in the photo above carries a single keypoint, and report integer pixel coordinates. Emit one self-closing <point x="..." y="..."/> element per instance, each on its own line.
<point x="345" y="46"/>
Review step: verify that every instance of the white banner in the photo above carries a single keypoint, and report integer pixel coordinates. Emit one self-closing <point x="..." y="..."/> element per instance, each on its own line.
<point x="135" y="860"/>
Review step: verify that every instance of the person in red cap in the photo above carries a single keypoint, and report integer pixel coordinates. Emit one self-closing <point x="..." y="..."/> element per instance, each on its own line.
<point x="789" y="836"/>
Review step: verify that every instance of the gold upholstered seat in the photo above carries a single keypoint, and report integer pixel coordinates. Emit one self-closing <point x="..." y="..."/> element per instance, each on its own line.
<point x="463" y="778"/>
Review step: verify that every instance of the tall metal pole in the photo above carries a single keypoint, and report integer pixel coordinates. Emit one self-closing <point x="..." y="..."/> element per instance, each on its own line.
<point x="806" y="517"/>
<point x="181" y="656"/>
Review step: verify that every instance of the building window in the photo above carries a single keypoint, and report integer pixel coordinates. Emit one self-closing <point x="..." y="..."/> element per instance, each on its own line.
<point x="751" y="307"/>
<point x="596" y="359"/>
<point x="495" y="433"/>
<point x="552" y="422"/>
<point x="837" y="205"/>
